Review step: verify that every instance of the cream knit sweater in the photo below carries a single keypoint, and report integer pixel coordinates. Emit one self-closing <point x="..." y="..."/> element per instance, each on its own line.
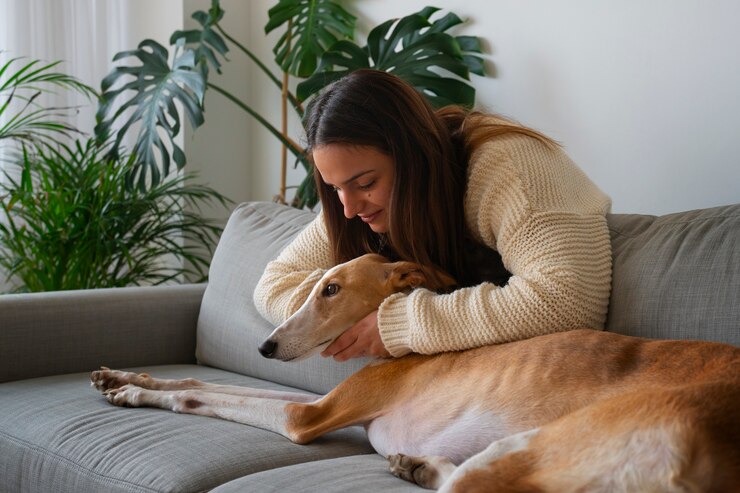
<point x="524" y="199"/>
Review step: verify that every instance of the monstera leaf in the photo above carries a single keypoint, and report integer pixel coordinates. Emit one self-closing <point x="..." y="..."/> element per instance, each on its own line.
<point x="313" y="27"/>
<point x="145" y="98"/>
<point x="154" y="88"/>
<point x="206" y="42"/>
<point x="413" y="48"/>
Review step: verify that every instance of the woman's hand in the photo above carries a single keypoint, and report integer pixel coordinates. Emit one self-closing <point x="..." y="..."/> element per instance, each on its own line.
<point x="362" y="339"/>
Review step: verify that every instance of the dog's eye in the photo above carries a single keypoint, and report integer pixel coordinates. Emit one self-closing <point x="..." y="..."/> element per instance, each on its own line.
<point x="330" y="290"/>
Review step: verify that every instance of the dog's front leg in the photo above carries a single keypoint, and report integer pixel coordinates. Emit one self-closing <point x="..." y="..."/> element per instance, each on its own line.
<point x="106" y="380"/>
<point x="265" y="413"/>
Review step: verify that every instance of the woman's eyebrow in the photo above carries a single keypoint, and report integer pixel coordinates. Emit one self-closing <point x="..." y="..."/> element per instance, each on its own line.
<point x="361" y="173"/>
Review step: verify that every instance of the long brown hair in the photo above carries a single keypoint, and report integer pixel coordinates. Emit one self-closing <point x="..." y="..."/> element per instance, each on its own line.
<point x="430" y="150"/>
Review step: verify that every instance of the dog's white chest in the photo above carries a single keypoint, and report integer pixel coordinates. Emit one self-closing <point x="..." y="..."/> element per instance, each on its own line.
<point x="419" y="430"/>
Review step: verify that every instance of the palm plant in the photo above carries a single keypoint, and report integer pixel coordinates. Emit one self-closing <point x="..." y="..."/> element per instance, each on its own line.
<point x="22" y="119"/>
<point x="316" y="40"/>
<point x="72" y="221"/>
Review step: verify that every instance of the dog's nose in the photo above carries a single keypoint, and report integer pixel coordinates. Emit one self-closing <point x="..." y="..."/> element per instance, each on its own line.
<point x="267" y="348"/>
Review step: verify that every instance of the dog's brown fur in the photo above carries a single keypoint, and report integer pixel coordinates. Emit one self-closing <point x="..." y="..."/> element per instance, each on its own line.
<point x="575" y="411"/>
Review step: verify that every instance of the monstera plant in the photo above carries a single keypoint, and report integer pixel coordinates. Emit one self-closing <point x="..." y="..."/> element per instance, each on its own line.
<point x="316" y="45"/>
<point x="410" y="48"/>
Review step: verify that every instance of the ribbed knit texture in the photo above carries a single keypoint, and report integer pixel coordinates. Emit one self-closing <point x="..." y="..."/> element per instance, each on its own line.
<point x="528" y="201"/>
<point x="288" y="280"/>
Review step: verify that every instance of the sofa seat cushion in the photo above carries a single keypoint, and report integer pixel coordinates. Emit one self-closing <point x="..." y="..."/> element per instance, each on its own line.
<point x="60" y="431"/>
<point x="358" y="474"/>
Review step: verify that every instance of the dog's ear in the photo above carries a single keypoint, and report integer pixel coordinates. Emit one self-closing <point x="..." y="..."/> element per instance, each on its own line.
<point x="404" y="275"/>
<point x="409" y="275"/>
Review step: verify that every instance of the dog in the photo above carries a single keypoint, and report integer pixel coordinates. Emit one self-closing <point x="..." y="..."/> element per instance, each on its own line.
<point x="582" y="410"/>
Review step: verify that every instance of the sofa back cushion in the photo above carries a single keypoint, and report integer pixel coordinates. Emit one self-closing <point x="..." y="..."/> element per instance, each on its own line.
<point x="678" y="275"/>
<point x="675" y="276"/>
<point x="229" y="327"/>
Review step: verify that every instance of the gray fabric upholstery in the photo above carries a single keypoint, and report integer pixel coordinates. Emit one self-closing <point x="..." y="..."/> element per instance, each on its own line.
<point x="677" y="276"/>
<point x="356" y="474"/>
<point x="70" y="331"/>
<point x="58" y="434"/>
<point x="229" y="327"/>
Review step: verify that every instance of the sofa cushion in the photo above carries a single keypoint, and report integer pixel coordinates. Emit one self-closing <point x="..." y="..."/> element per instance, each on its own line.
<point x="229" y="327"/>
<point x="675" y="276"/>
<point x="358" y="474"/>
<point x="678" y="275"/>
<point x="60" y="431"/>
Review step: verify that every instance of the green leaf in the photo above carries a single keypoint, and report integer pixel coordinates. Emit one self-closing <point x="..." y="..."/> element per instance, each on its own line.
<point x="306" y="195"/>
<point x="311" y="27"/>
<point x="147" y="94"/>
<point x="80" y="226"/>
<point x="23" y="81"/>
<point x="29" y="76"/>
<point x="206" y="42"/>
<point x="413" y="48"/>
<point x="345" y="54"/>
<point x="470" y="45"/>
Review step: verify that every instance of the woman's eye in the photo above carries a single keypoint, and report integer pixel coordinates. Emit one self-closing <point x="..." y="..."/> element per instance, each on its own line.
<point x="330" y="290"/>
<point x="367" y="186"/>
<point x="336" y="189"/>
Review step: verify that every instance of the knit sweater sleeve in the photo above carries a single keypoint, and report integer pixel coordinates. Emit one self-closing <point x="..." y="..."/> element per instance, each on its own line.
<point x="530" y="202"/>
<point x="288" y="280"/>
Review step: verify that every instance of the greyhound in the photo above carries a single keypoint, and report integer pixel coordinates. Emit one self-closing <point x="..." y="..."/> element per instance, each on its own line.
<point x="581" y="410"/>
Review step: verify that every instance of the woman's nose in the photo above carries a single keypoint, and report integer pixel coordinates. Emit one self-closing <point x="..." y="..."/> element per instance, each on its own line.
<point x="352" y="205"/>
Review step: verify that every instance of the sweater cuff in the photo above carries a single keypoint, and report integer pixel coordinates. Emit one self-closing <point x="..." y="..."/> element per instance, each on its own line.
<point x="393" y="325"/>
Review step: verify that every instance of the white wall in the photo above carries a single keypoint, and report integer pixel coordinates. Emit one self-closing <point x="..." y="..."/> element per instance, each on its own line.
<point x="219" y="150"/>
<point x="84" y="35"/>
<point x="641" y="94"/>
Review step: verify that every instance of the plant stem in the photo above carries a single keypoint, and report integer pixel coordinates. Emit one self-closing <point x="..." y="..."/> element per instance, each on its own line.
<point x="284" y="150"/>
<point x="291" y="97"/>
<point x="292" y="145"/>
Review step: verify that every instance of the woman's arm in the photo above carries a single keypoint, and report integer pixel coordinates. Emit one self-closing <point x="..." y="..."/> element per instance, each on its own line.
<point x="547" y="220"/>
<point x="561" y="281"/>
<point x="288" y="280"/>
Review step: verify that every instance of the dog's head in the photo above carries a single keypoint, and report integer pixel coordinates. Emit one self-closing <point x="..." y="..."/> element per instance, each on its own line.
<point x="341" y="298"/>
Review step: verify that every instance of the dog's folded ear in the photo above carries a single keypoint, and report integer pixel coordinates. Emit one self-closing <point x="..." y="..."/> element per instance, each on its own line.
<point x="404" y="275"/>
<point x="409" y="275"/>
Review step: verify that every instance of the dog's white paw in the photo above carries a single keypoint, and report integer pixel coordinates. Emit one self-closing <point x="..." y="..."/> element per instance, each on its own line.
<point x="106" y="379"/>
<point x="427" y="472"/>
<point x="126" y="396"/>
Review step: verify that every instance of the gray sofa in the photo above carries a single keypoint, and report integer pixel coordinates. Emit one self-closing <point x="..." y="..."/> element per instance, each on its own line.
<point x="675" y="276"/>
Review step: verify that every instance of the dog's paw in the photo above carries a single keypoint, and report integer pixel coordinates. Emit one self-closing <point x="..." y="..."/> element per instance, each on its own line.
<point x="411" y="469"/>
<point x="106" y="379"/>
<point x="427" y="472"/>
<point x="125" y="396"/>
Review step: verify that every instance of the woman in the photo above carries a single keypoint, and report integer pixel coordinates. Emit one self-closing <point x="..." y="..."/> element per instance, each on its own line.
<point x="397" y="177"/>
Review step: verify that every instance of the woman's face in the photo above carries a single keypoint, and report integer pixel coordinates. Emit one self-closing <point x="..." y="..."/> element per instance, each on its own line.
<point x="362" y="177"/>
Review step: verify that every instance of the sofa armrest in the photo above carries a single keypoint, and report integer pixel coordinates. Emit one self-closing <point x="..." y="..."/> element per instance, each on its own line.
<point x="71" y="331"/>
